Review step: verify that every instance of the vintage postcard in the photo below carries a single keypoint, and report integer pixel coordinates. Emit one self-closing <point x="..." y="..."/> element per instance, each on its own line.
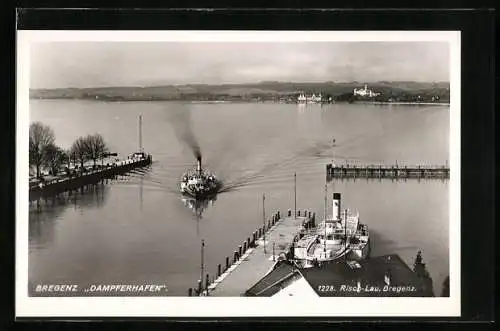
<point x="238" y="173"/>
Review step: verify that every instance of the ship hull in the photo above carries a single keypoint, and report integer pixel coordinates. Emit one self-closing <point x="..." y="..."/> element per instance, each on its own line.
<point x="359" y="253"/>
<point x="200" y="194"/>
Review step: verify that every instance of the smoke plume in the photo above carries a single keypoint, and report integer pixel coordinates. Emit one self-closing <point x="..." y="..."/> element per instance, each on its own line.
<point x="180" y="118"/>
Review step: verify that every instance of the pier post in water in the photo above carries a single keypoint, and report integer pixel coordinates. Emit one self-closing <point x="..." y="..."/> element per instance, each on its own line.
<point x="207" y="281"/>
<point x="218" y="270"/>
<point x="235" y="256"/>
<point x="239" y="250"/>
<point x="190" y="292"/>
<point x="289" y="213"/>
<point x="227" y="262"/>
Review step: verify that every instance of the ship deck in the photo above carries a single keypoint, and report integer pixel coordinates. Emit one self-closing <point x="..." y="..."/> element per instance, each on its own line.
<point x="257" y="262"/>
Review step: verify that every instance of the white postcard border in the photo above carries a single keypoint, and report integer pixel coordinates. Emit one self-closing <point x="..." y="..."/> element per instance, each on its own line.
<point x="26" y="306"/>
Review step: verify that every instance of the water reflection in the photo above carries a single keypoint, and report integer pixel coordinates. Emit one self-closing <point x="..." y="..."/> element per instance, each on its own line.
<point x="333" y="179"/>
<point x="198" y="207"/>
<point x="145" y="232"/>
<point x="46" y="211"/>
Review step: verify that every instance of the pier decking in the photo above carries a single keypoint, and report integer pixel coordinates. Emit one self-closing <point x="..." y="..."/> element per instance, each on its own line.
<point x="60" y="185"/>
<point x="257" y="261"/>
<point x="386" y="171"/>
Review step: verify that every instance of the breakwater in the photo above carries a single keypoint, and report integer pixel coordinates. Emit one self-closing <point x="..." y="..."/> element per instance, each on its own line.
<point x="68" y="183"/>
<point x="388" y="171"/>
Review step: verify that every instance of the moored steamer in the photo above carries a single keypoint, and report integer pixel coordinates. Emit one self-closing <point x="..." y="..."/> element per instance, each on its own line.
<point x="340" y="236"/>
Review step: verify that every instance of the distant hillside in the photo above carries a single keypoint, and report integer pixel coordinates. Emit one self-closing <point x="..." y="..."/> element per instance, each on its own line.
<point x="261" y="91"/>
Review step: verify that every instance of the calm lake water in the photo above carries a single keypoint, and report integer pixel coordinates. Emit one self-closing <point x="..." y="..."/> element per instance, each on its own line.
<point x="136" y="229"/>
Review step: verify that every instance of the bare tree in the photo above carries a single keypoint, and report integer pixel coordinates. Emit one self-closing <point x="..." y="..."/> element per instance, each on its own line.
<point x="79" y="150"/>
<point x="54" y="158"/>
<point x="96" y="147"/>
<point x="40" y="138"/>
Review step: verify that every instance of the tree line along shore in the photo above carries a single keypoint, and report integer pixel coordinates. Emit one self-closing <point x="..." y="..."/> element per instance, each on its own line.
<point x="46" y="158"/>
<point x="259" y="92"/>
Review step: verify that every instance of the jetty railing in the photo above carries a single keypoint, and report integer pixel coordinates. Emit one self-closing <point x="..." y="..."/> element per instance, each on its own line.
<point x="208" y="284"/>
<point x="69" y="182"/>
<point x="388" y="171"/>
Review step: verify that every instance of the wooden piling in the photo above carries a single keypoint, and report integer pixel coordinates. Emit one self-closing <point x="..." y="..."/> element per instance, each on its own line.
<point x="207" y="281"/>
<point x="190" y="292"/>
<point x="218" y="270"/>
<point x="239" y="250"/>
<point x="227" y="262"/>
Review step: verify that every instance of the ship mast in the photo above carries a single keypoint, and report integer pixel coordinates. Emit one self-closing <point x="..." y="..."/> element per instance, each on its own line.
<point x="140" y="133"/>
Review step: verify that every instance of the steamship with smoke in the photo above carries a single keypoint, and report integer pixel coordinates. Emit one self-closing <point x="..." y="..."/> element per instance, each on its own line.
<point x="338" y="236"/>
<point x="199" y="184"/>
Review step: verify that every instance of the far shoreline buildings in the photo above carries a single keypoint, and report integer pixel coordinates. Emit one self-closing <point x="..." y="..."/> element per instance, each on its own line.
<point x="309" y="99"/>
<point x="365" y="92"/>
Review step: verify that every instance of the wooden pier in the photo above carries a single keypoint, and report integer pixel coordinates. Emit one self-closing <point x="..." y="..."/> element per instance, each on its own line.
<point x="261" y="267"/>
<point x="63" y="184"/>
<point x="387" y="171"/>
<point x="255" y="257"/>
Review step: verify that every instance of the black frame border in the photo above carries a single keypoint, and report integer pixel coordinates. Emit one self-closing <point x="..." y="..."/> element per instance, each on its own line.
<point x="477" y="118"/>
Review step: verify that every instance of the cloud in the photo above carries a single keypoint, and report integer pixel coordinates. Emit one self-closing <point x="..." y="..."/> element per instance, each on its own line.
<point x="84" y="64"/>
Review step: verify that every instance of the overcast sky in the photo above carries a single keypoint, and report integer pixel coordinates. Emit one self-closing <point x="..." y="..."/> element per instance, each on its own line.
<point x="88" y="64"/>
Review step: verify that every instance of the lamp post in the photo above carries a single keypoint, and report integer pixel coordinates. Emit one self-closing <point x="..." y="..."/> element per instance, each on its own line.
<point x="264" y="220"/>
<point x="295" y="194"/>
